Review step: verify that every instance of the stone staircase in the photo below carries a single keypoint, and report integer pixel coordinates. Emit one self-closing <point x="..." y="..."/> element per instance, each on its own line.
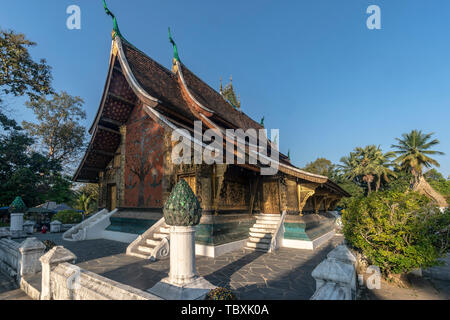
<point x="262" y="232"/>
<point x="90" y="228"/>
<point x="152" y="244"/>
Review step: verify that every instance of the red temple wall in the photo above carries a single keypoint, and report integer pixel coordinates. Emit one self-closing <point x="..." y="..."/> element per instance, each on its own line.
<point x="143" y="161"/>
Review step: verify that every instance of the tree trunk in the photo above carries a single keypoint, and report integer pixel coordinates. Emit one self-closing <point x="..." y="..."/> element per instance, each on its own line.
<point x="377" y="186"/>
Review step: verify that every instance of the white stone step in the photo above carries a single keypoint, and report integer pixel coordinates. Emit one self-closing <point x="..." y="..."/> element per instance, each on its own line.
<point x="164" y="230"/>
<point x="261" y="230"/>
<point x="268" y="217"/>
<point x="152" y="242"/>
<point x="260" y="240"/>
<point x="264" y="226"/>
<point x="159" y="235"/>
<point x="260" y="235"/>
<point x="257" y="245"/>
<point x="263" y="221"/>
<point x="145" y="249"/>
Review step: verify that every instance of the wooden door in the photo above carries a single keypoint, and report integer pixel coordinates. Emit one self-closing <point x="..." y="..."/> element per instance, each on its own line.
<point x="271" y="198"/>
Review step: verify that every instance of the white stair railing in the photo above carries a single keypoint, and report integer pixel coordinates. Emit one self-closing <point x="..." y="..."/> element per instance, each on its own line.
<point x="278" y="235"/>
<point x="133" y="247"/>
<point x="90" y="228"/>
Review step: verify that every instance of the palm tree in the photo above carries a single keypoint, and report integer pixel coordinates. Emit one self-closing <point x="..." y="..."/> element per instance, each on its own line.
<point x="84" y="203"/>
<point x="413" y="151"/>
<point x="382" y="169"/>
<point x="367" y="164"/>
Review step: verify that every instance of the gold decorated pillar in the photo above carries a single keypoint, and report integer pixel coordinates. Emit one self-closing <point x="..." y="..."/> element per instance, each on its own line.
<point x="304" y="192"/>
<point x="123" y="139"/>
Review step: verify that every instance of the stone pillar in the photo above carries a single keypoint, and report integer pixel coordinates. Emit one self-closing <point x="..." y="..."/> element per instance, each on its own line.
<point x="28" y="226"/>
<point x="182" y="212"/>
<point x="182" y="250"/>
<point x="31" y="250"/>
<point x="55" y="226"/>
<point x="49" y="261"/>
<point x="16" y="227"/>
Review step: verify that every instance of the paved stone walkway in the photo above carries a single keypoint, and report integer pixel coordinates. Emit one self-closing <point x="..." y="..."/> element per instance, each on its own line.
<point x="285" y="274"/>
<point x="9" y="290"/>
<point x="84" y="250"/>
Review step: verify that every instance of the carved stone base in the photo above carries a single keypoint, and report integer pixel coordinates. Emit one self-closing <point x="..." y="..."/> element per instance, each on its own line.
<point x="195" y="290"/>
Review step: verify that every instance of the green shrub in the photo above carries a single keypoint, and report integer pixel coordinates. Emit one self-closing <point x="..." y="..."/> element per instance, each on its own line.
<point x="68" y="216"/>
<point x="220" y="294"/>
<point x="397" y="231"/>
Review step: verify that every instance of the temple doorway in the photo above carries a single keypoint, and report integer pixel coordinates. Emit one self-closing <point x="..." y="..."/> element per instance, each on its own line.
<point x="271" y="198"/>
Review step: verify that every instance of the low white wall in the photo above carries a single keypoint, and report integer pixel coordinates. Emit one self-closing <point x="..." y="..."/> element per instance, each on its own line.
<point x="9" y="257"/>
<point x="215" y="251"/>
<point x="69" y="282"/>
<point x="19" y="259"/>
<point x="307" y="245"/>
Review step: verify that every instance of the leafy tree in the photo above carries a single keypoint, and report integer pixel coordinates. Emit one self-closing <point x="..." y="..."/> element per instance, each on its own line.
<point x="59" y="189"/>
<point x="19" y="73"/>
<point x="365" y="165"/>
<point x="382" y="167"/>
<point x="84" y="203"/>
<point x="438" y="183"/>
<point x="413" y="151"/>
<point x="320" y="166"/>
<point x="433" y="174"/>
<point x="58" y="127"/>
<point x="397" y="231"/>
<point x="23" y="171"/>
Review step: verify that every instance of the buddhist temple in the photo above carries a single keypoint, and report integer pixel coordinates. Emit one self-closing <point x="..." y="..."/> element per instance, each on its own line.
<point x="129" y="157"/>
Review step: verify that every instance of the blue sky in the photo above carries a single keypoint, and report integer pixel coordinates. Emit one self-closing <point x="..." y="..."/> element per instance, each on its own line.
<point x="310" y="67"/>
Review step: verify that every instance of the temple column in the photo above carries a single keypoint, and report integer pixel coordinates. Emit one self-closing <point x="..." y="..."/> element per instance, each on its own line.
<point x="317" y="201"/>
<point x="121" y="184"/>
<point x="304" y="192"/>
<point x="282" y="187"/>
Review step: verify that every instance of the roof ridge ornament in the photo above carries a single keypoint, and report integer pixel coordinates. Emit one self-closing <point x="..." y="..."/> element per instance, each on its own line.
<point x="115" y="25"/>
<point x="175" y="49"/>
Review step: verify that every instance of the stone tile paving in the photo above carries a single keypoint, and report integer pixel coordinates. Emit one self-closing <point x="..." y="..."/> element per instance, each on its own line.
<point x="9" y="290"/>
<point x="285" y="274"/>
<point x="84" y="250"/>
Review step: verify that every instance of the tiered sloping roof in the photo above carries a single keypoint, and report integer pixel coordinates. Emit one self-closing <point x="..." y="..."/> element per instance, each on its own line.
<point x="172" y="98"/>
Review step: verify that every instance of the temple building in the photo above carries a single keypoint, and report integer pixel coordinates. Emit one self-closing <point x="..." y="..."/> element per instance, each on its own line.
<point x="129" y="157"/>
